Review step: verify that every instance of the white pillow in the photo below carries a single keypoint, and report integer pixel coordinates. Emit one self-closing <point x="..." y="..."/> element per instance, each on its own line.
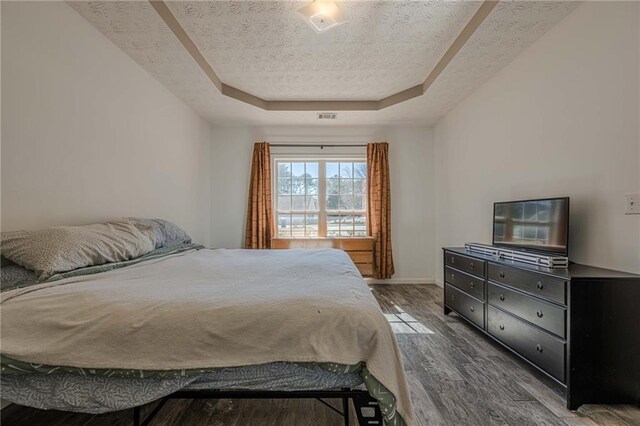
<point x="64" y="248"/>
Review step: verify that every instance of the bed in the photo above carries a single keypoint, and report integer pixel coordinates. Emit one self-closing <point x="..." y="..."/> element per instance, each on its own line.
<point x="186" y="321"/>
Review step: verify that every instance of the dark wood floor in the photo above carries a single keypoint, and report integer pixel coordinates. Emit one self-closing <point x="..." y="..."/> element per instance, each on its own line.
<point x="456" y="376"/>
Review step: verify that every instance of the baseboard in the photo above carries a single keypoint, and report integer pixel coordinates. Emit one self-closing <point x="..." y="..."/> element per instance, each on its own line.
<point x="439" y="283"/>
<point x="4" y="404"/>
<point x="400" y="281"/>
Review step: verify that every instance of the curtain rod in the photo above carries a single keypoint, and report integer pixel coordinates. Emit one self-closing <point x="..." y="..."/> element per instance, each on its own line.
<point x="305" y="145"/>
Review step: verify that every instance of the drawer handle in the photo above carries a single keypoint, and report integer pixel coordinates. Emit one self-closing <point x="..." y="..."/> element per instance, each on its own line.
<point x="540" y="286"/>
<point x="453" y="276"/>
<point x="502" y="297"/>
<point x="471" y="265"/>
<point x="472" y="309"/>
<point x="501" y="326"/>
<point x="539" y="313"/>
<point x="539" y="348"/>
<point x="453" y="260"/>
<point x="471" y="284"/>
<point x="453" y="297"/>
<point x="501" y="274"/>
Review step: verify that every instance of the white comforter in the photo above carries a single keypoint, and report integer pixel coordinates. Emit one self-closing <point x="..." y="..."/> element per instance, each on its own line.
<point x="206" y="309"/>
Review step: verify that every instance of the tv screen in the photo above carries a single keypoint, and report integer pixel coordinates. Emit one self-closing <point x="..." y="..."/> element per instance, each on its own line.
<point x="540" y="226"/>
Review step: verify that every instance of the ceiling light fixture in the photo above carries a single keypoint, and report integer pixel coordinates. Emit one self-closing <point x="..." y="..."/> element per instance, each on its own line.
<point x="322" y="15"/>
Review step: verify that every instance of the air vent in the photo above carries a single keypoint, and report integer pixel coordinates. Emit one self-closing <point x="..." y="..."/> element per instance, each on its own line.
<point x="327" y="116"/>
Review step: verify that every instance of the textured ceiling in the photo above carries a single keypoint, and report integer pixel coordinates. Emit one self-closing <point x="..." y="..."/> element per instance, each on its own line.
<point x="138" y="30"/>
<point x="267" y="49"/>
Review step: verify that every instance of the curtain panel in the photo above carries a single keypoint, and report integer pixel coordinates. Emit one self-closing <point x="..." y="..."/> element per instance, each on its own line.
<point x="379" y="208"/>
<point x="259" y="229"/>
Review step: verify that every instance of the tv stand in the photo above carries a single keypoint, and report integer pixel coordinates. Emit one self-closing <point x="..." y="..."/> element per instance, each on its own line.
<point x="580" y="326"/>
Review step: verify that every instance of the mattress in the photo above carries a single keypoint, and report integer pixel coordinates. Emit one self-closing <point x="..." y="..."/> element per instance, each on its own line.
<point x="100" y="394"/>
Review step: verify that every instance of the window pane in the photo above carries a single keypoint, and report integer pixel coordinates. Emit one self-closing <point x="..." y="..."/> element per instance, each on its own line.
<point x="333" y="202"/>
<point x="311" y="203"/>
<point x="333" y="186"/>
<point x="346" y="202"/>
<point x="284" y="202"/>
<point x="358" y="202"/>
<point x="312" y="186"/>
<point x="284" y="186"/>
<point x="297" y="186"/>
<point x="360" y="170"/>
<point x="346" y="170"/>
<point x="332" y="170"/>
<point x="297" y="202"/>
<point x="346" y="186"/>
<point x="284" y="225"/>
<point x="333" y="225"/>
<point x="311" y="229"/>
<point x="360" y="226"/>
<point x="359" y="186"/>
<point x="297" y="169"/>
<point x="312" y="170"/>
<point x="297" y="225"/>
<point x="346" y="226"/>
<point x="284" y="169"/>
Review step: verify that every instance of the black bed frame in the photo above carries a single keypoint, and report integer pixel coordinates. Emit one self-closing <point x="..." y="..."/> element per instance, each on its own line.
<point x="367" y="409"/>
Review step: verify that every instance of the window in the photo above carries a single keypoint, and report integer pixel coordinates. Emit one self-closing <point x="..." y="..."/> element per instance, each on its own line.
<point x="321" y="198"/>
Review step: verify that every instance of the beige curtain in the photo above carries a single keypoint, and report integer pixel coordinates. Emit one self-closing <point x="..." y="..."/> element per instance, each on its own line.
<point x="379" y="212"/>
<point x="259" y="229"/>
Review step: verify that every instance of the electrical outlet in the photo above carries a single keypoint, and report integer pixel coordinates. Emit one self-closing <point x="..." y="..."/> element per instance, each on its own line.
<point x="633" y="204"/>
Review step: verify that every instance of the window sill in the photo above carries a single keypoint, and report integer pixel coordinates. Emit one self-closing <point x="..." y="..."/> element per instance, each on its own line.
<point x="320" y="238"/>
<point x="359" y="249"/>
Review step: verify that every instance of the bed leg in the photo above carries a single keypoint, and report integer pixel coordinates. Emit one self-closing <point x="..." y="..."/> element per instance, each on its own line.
<point x="136" y="416"/>
<point x="367" y="410"/>
<point x="345" y="410"/>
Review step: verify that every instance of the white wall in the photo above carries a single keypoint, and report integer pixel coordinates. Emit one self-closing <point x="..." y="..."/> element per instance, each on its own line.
<point x="411" y="167"/>
<point x="562" y="119"/>
<point x="87" y="134"/>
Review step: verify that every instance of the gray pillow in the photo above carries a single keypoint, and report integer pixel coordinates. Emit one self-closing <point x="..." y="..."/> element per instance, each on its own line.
<point x="168" y="234"/>
<point x="16" y="276"/>
<point x="65" y="248"/>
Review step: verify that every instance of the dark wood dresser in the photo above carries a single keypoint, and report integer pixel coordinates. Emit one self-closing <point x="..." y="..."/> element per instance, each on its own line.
<point x="580" y="325"/>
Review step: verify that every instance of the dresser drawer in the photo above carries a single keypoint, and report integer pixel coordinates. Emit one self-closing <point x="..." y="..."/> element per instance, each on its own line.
<point x="464" y="263"/>
<point x="543" y="314"/>
<point x="542" y="349"/>
<point x="540" y="285"/>
<point x="468" y="283"/>
<point x="465" y="305"/>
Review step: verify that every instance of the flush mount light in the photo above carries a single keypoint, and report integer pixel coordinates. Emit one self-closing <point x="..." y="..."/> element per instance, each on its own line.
<point x="322" y="15"/>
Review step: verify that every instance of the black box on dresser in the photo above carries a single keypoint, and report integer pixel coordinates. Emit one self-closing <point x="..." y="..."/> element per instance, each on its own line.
<point x="580" y="325"/>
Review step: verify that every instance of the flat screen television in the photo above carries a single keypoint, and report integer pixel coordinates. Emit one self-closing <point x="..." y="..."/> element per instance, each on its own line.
<point x="538" y="226"/>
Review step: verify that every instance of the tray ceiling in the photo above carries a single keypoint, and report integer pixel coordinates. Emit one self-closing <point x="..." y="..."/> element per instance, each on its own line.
<point x="266" y="49"/>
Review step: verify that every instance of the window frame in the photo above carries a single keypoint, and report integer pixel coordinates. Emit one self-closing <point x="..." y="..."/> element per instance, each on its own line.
<point x="322" y="191"/>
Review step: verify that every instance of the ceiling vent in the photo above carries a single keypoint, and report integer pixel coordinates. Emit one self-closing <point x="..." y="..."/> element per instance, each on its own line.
<point x="327" y="116"/>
